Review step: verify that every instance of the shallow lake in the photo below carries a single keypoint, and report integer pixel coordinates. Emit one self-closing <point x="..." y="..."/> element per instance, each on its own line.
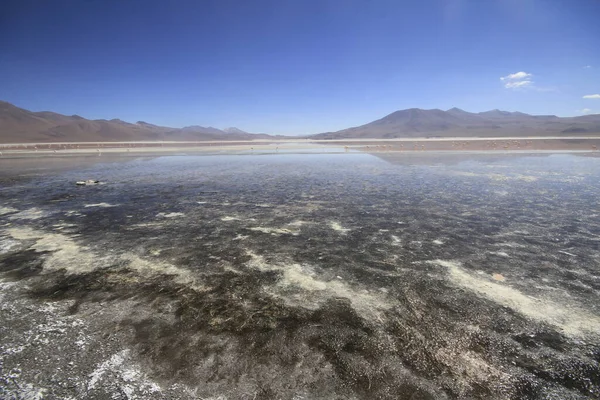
<point x="301" y="276"/>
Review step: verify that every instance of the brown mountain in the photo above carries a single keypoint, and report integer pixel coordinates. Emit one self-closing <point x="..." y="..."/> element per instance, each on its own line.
<point x="234" y="130"/>
<point x="18" y="125"/>
<point x="455" y="122"/>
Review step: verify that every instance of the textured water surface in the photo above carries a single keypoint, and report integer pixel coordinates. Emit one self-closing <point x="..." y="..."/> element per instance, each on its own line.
<point x="301" y="276"/>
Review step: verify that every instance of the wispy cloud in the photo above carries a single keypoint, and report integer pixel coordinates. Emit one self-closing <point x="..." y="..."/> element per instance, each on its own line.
<point x="517" y="84"/>
<point x="518" y="80"/>
<point x="517" y="76"/>
<point x="587" y="67"/>
<point x="585" y="111"/>
<point x="592" y="96"/>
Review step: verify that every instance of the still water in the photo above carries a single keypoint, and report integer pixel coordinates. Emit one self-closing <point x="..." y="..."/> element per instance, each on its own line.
<point x="302" y="276"/>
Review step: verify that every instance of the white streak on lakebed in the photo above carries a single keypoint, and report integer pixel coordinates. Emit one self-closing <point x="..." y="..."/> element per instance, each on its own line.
<point x="7" y="210"/>
<point x="29" y="214"/>
<point x="100" y="205"/>
<point x="170" y="215"/>
<point x="336" y="226"/>
<point x="6" y="245"/>
<point x="314" y="291"/>
<point x="65" y="253"/>
<point x="572" y="319"/>
<point x="273" y="231"/>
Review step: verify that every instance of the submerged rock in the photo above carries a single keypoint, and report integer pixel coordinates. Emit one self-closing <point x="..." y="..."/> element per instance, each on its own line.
<point x="89" y="182"/>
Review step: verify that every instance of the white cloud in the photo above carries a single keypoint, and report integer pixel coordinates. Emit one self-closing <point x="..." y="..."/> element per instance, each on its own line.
<point x="517" y="84"/>
<point x="587" y="67"/>
<point x="585" y="111"/>
<point x="516" y="76"/>
<point x="518" y="80"/>
<point x="592" y="96"/>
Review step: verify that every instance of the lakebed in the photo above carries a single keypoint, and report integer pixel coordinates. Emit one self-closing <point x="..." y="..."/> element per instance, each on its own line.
<point x="352" y="275"/>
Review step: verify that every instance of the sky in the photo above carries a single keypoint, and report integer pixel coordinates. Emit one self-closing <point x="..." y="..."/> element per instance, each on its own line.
<point x="297" y="66"/>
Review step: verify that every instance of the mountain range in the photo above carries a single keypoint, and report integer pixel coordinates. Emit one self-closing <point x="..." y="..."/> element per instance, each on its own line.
<point x="18" y="125"/>
<point x="415" y="122"/>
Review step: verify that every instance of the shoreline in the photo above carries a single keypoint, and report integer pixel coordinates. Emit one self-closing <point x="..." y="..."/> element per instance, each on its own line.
<point x="187" y="152"/>
<point x="396" y="146"/>
<point x="305" y="140"/>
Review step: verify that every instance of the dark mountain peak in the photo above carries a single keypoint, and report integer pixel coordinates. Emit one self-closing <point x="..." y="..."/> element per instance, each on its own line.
<point x="458" y="111"/>
<point x="233" y="129"/>
<point x="201" y="129"/>
<point x="422" y="111"/>
<point x="501" y="113"/>
<point x="144" y="123"/>
<point x="6" y="106"/>
<point x="504" y="114"/>
<point x="192" y="127"/>
<point x="494" y="112"/>
<point x="411" y="113"/>
<point x="416" y="120"/>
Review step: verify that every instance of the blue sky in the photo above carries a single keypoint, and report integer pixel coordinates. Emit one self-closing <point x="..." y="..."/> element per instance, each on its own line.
<point x="296" y="67"/>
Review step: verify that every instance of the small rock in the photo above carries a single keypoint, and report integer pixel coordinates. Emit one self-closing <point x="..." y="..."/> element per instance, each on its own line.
<point x="87" y="183"/>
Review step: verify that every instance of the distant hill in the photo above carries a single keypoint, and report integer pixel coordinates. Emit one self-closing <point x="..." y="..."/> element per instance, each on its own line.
<point x="234" y="130"/>
<point x="455" y="122"/>
<point x="18" y="125"/>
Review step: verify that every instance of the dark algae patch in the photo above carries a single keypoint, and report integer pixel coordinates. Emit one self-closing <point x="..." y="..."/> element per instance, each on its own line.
<point x="302" y="277"/>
